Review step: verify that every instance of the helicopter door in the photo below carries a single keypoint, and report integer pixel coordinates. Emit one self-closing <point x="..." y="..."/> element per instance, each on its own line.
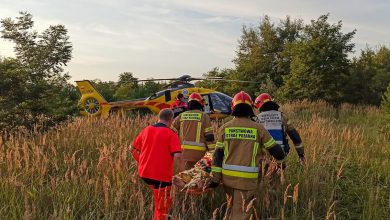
<point x="167" y="94"/>
<point x="207" y="104"/>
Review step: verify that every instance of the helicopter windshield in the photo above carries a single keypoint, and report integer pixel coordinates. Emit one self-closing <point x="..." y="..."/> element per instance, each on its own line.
<point x="221" y="102"/>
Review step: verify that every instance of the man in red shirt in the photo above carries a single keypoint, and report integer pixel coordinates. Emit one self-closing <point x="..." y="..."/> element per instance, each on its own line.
<point x="155" y="150"/>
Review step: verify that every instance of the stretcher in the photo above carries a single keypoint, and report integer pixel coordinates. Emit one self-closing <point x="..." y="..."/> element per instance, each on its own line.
<point x="196" y="180"/>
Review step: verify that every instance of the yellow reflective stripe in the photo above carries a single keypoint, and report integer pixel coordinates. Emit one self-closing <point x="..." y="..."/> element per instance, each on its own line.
<point x="246" y="102"/>
<point x="225" y="151"/>
<point x="216" y="169"/>
<point x="181" y="130"/>
<point x="189" y="116"/>
<point x="192" y="147"/>
<point x="174" y="129"/>
<point x="208" y="129"/>
<point x="240" y="174"/>
<point x="193" y="143"/>
<point x="269" y="143"/>
<point x="211" y="146"/>
<point x="220" y="145"/>
<point x="254" y="154"/>
<point x="198" y="130"/>
<point x="241" y="133"/>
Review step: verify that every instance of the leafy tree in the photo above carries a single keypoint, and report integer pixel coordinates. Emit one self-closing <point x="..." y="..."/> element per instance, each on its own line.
<point x="289" y="32"/>
<point x="319" y="62"/>
<point x="37" y="87"/>
<point x="127" y="78"/>
<point x="12" y="93"/>
<point x="145" y="90"/>
<point x="368" y="77"/>
<point x="269" y="87"/>
<point x="260" y="56"/>
<point x="221" y="86"/>
<point x="382" y="75"/>
<point x="128" y="87"/>
<point x="43" y="54"/>
<point x="106" y="89"/>
<point x="152" y="87"/>
<point x="123" y="92"/>
<point x="359" y="88"/>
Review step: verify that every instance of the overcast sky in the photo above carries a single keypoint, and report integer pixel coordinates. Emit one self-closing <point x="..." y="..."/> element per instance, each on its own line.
<point x="157" y="38"/>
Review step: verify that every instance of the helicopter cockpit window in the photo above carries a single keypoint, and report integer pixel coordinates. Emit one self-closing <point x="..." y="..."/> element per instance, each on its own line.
<point x="221" y="102"/>
<point x="156" y="95"/>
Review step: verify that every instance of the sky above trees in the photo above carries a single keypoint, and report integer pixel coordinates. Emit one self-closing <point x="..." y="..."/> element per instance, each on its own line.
<point x="153" y="38"/>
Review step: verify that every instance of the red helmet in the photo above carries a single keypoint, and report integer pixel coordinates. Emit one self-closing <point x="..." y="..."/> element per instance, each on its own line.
<point x="241" y="98"/>
<point x="261" y="99"/>
<point x="196" y="97"/>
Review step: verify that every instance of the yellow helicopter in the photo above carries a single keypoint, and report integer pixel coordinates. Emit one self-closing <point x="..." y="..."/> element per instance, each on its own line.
<point x="217" y="104"/>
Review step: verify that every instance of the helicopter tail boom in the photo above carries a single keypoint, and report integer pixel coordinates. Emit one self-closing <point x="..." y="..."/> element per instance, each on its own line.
<point x="92" y="103"/>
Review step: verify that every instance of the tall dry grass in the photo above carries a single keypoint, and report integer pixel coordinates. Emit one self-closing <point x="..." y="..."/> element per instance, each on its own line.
<point x="83" y="170"/>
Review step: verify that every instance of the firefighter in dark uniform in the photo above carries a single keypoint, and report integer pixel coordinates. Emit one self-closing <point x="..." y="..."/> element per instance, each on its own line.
<point x="278" y="125"/>
<point x="236" y="161"/>
<point x="195" y="132"/>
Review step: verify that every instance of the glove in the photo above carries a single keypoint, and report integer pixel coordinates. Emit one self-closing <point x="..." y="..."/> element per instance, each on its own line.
<point x="213" y="185"/>
<point x="215" y="180"/>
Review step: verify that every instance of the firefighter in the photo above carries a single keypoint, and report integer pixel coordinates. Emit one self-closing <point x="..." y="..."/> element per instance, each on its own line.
<point x="239" y="148"/>
<point x="179" y="105"/>
<point x="155" y="149"/>
<point x="195" y="132"/>
<point x="278" y="125"/>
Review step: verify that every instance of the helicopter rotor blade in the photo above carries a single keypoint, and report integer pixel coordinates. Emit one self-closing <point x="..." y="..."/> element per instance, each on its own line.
<point x="151" y="80"/>
<point x="233" y="80"/>
<point x="187" y="78"/>
<point x="205" y="78"/>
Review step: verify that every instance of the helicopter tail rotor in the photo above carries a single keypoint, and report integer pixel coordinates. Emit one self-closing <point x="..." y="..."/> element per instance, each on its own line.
<point x="92" y="103"/>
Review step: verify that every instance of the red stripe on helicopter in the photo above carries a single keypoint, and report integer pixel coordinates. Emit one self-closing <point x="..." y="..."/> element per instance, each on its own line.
<point x="151" y="103"/>
<point x="163" y="105"/>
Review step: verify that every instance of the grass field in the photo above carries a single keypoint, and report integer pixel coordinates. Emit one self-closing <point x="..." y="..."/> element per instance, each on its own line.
<point x="83" y="170"/>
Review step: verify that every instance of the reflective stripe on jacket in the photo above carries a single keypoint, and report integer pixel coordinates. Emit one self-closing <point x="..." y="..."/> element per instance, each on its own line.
<point x="193" y="127"/>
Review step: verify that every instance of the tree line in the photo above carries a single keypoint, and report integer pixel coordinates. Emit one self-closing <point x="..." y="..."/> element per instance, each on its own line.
<point x="294" y="61"/>
<point x="290" y="60"/>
